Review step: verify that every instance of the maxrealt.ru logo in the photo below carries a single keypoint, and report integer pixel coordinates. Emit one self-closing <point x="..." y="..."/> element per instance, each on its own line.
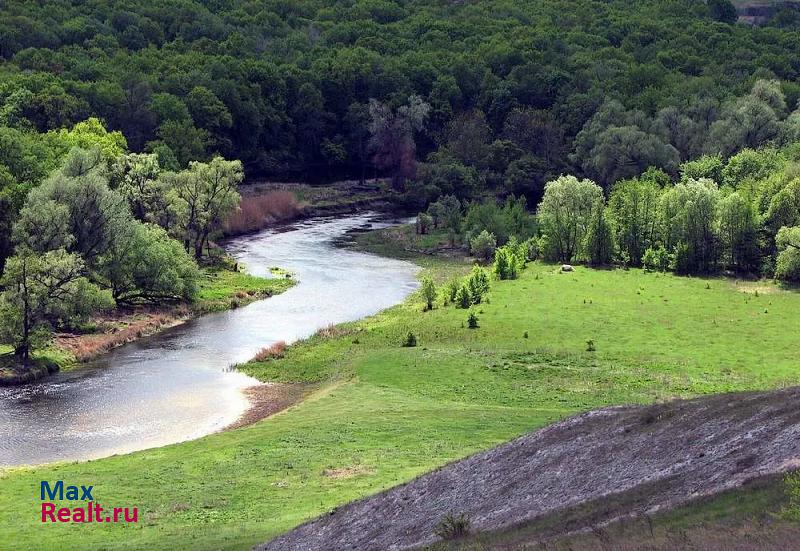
<point x="91" y="511"/>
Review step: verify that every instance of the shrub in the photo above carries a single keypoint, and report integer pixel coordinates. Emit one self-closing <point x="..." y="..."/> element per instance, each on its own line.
<point x="463" y="298"/>
<point x="451" y="290"/>
<point x="410" y="341"/>
<point x="477" y="284"/>
<point x="787" y="267"/>
<point x="532" y="248"/>
<point x="257" y="211"/>
<point x="590" y="346"/>
<point x="273" y="352"/>
<point x="656" y="259"/>
<point x="506" y="263"/>
<point x="483" y="246"/>
<point x="472" y="321"/>
<point x="424" y="223"/>
<point x="428" y="291"/>
<point x="453" y="526"/>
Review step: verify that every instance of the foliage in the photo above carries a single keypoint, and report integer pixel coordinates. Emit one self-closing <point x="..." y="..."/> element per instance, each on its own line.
<point x="483" y="245"/>
<point x="74" y="209"/>
<point x="564" y="215"/>
<point x="632" y="211"/>
<point x="428" y="292"/>
<point x="452" y="526"/>
<point x="446" y="214"/>
<point x="788" y="264"/>
<point x="145" y="264"/>
<point x="463" y="297"/>
<point x="656" y="259"/>
<point x="688" y="212"/>
<point x="477" y="284"/>
<point x="738" y="233"/>
<point x="41" y="290"/>
<point x="502" y="220"/>
<point x="392" y="137"/>
<point x="201" y="198"/>
<point x="424" y="223"/>
<point x="599" y="245"/>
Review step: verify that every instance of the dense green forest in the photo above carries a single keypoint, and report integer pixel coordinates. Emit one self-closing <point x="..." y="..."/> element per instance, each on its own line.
<point x="116" y="118"/>
<point x="286" y="86"/>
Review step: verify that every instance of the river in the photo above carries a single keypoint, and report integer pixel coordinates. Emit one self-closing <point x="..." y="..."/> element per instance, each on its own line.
<point x="179" y="385"/>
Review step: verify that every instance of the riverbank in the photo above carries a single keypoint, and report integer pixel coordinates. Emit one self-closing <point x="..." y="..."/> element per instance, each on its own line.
<point x="265" y="204"/>
<point x="384" y="413"/>
<point x="222" y="287"/>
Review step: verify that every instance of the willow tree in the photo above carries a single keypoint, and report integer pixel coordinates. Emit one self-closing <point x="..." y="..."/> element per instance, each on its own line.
<point x="41" y="290"/>
<point x="202" y="198"/>
<point x="565" y="213"/>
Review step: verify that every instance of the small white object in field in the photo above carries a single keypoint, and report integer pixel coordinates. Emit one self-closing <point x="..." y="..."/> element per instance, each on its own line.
<point x="566" y="267"/>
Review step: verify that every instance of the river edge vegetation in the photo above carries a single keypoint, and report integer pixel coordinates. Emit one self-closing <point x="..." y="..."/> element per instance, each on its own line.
<point x="107" y="247"/>
<point x="546" y="344"/>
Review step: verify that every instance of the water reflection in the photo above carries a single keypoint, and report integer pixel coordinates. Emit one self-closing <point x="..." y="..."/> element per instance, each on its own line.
<point x="177" y="385"/>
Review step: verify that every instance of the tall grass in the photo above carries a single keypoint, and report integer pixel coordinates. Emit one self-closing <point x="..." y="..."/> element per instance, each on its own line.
<point x="258" y="211"/>
<point x="274" y="351"/>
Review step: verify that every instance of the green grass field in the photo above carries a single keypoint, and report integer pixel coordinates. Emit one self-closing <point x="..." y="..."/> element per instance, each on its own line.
<point x="384" y="414"/>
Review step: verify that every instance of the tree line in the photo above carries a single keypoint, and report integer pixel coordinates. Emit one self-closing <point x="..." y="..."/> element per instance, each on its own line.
<point x="106" y="228"/>
<point x="741" y="216"/>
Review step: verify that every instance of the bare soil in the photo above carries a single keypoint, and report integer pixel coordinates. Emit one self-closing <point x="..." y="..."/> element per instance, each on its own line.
<point x="587" y="471"/>
<point x="268" y="399"/>
<point x="119" y="327"/>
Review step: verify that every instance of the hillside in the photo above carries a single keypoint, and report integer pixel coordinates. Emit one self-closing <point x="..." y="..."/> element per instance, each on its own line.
<point x="626" y="461"/>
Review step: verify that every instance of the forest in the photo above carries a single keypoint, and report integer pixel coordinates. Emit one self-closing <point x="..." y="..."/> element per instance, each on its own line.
<point x="115" y="120"/>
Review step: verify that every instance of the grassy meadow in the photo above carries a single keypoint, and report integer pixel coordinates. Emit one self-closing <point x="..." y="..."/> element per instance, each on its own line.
<point x="383" y="414"/>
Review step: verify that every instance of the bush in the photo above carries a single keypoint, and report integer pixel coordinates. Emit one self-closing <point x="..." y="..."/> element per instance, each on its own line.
<point x="532" y="247"/>
<point x="506" y="263"/>
<point x="410" y="341"/>
<point x="472" y="321"/>
<point x="787" y="266"/>
<point x="273" y="352"/>
<point x="656" y="259"/>
<point x="453" y="526"/>
<point x="428" y="291"/>
<point x="451" y="290"/>
<point x="477" y="284"/>
<point x="424" y="223"/>
<point x="483" y="246"/>
<point x="463" y="298"/>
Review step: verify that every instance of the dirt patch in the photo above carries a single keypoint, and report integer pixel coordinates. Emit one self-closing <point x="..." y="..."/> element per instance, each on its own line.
<point x="268" y="399"/>
<point x="633" y="460"/>
<point x="347" y="472"/>
<point x="118" y="328"/>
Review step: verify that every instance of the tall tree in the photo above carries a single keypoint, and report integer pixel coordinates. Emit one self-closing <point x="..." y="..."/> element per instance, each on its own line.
<point x="392" y="137"/>
<point x="565" y="213"/>
<point x="40" y="290"/>
<point x="202" y="197"/>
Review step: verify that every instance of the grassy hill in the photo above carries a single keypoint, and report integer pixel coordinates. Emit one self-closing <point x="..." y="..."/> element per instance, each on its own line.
<point x="383" y="413"/>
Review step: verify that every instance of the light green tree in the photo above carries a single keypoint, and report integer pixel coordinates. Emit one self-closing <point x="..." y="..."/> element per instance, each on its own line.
<point x="633" y="213"/>
<point x="599" y="245"/>
<point x="788" y="262"/>
<point x="565" y="213"/>
<point x="41" y="290"/>
<point x="428" y="292"/>
<point x="146" y="265"/>
<point x="202" y="197"/>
